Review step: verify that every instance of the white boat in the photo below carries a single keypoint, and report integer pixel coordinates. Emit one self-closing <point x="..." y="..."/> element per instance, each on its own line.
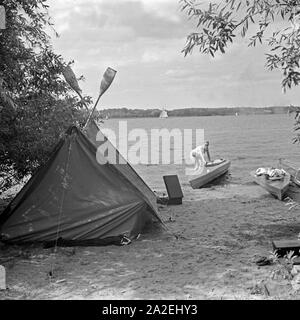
<point x="277" y="188"/>
<point x="163" y="114"/>
<point x="210" y="172"/>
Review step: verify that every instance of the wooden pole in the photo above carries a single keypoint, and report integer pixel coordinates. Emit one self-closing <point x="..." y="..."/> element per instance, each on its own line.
<point x="91" y="113"/>
<point x="82" y="100"/>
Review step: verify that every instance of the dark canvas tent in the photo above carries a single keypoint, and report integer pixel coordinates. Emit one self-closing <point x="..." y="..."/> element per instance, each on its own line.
<point x="94" y="133"/>
<point x="73" y="197"/>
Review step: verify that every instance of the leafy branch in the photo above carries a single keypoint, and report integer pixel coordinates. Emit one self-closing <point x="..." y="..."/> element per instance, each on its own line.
<point x="220" y="23"/>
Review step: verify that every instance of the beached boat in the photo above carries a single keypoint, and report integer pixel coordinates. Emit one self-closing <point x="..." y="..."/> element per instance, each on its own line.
<point x="292" y="169"/>
<point x="212" y="171"/>
<point x="277" y="188"/>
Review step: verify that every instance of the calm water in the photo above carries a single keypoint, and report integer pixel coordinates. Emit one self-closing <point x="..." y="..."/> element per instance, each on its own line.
<point x="248" y="141"/>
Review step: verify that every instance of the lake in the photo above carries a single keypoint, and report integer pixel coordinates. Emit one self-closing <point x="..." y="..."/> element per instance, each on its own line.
<point x="249" y="141"/>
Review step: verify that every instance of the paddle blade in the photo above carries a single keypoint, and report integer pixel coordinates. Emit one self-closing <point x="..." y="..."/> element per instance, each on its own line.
<point x="70" y="77"/>
<point x="107" y="80"/>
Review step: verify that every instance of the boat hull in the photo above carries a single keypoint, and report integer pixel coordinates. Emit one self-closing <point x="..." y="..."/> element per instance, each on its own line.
<point x="294" y="172"/>
<point x="208" y="174"/>
<point x="277" y="188"/>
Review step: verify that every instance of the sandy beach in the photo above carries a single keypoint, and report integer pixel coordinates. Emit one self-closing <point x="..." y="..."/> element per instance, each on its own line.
<point x="221" y="230"/>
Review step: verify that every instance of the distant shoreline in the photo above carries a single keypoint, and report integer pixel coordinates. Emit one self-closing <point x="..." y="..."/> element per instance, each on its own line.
<point x="122" y="113"/>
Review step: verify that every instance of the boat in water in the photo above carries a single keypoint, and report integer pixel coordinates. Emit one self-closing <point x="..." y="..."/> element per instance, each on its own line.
<point x="277" y="188"/>
<point x="210" y="172"/>
<point x="163" y="114"/>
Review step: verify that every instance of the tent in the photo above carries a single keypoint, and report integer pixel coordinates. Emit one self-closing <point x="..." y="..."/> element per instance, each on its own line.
<point x="74" y="198"/>
<point x="93" y="132"/>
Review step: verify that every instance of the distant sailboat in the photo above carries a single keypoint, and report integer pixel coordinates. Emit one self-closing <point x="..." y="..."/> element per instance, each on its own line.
<point x="236" y="114"/>
<point x="163" y="114"/>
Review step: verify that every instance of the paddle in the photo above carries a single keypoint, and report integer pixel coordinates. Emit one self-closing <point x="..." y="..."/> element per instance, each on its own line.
<point x="70" y="77"/>
<point x="107" y="80"/>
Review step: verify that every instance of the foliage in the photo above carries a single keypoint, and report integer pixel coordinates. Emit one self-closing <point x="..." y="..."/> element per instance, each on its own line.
<point x="284" y="266"/>
<point x="36" y="103"/>
<point x="275" y="23"/>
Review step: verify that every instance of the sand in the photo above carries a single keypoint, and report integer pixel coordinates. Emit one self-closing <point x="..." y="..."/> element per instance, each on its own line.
<point x="222" y="231"/>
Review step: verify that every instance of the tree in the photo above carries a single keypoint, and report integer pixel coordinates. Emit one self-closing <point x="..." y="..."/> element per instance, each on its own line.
<point x="220" y="22"/>
<point x="36" y="103"/>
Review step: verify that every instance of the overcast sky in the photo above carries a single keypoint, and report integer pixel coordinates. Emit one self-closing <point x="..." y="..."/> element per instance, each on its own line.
<point x="142" y="40"/>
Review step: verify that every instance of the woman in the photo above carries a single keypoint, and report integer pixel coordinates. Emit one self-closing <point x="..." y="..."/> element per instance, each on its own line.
<point x="201" y="155"/>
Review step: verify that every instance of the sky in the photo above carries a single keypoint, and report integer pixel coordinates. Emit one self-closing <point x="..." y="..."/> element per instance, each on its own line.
<point x="142" y="40"/>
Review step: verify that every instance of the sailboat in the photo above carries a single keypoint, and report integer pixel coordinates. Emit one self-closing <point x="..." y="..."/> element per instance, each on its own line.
<point x="163" y="114"/>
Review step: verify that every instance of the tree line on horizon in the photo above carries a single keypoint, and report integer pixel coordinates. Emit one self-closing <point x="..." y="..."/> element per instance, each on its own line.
<point x="191" y="112"/>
